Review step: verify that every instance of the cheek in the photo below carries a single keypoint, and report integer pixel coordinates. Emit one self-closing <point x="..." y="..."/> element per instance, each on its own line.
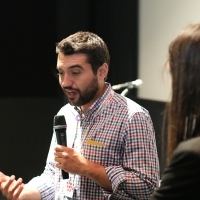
<point x="60" y="81"/>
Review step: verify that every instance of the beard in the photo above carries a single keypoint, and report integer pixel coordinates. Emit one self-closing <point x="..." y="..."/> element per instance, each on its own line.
<point x="86" y="95"/>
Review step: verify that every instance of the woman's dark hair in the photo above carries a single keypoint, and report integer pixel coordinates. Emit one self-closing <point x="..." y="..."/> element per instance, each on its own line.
<point x="87" y="43"/>
<point x="184" y="108"/>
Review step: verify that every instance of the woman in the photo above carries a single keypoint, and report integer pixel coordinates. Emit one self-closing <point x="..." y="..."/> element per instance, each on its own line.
<point x="181" y="179"/>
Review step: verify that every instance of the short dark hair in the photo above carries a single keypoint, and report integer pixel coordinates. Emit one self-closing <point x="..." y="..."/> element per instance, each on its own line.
<point x="87" y="43"/>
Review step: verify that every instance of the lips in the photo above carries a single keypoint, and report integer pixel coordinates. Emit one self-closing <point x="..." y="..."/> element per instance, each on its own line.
<point x="71" y="94"/>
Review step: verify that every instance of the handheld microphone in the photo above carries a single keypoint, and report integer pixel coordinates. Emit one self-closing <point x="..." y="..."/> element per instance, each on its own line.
<point x="129" y="85"/>
<point x="60" y="126"/>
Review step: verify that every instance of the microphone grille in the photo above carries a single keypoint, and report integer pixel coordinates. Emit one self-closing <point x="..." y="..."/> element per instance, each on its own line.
<point x="138" y="82"/>
<point x="59" y="120"/>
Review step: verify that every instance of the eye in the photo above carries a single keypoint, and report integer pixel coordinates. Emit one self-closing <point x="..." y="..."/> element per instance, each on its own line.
<point x="60" y="73"/>
<point x="76" y="72"/>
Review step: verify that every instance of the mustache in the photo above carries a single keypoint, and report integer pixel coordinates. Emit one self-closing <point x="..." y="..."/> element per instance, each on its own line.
<point x="70" y="88"/>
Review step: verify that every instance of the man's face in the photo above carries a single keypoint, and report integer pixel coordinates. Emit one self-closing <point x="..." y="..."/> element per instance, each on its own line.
<point x="76" y="78"/>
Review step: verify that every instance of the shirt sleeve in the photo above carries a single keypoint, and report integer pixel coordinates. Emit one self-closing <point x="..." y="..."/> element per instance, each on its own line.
<point x="139" y="175"/>
<point x="45" y="183"/>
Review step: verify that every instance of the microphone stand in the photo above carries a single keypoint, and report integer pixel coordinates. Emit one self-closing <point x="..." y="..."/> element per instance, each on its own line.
<point x="128" y="85"/>
<point x="125" y="92"/>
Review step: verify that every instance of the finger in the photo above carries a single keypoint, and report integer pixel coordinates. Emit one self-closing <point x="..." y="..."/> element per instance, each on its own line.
<point x="14" y="186"/>
<point x="57" y="155"/>
<point x="58" y="148"/>
<point x="58" y="160"/>
<point x="10" y="180"/>
<point x="16" y="195"/>
<point x="64" y="154"/>
<point x="59" y="165"/>
<point x="7" y="184"/>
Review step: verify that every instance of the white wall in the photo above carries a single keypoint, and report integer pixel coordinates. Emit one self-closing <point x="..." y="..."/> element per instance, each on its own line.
<point x="159" y="23"/>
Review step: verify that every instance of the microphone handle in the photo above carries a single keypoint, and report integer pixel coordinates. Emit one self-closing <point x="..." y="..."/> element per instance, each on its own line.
<point x="61" y="140"/>
<point x="65" y="174"/>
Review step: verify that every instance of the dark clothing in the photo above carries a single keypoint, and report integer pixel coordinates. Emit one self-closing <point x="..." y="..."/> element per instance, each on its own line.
<point x="181" y="179"/>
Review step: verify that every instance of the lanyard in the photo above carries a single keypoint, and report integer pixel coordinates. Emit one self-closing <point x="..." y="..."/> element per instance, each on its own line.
<point x="86" y="132"/>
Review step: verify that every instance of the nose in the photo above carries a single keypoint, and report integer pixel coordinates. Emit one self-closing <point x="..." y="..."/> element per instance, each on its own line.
<point x="65" y="80"/>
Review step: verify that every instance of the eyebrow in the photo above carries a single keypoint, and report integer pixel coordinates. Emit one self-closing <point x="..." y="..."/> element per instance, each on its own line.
<point x="72" y="67"/>
<point x="76" y="66"/>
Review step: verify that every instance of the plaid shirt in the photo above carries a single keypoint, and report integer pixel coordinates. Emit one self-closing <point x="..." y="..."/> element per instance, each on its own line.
<point x="128" y="153"/>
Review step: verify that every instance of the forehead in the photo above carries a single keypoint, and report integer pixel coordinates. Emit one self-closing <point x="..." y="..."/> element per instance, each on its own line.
<point x="71" y="60"/>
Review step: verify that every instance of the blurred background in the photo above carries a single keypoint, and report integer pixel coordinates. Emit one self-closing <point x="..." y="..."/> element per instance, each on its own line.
<point x="137" y="33"/>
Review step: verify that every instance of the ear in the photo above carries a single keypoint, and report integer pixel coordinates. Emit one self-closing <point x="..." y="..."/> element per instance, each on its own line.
<point x="103" y="71"/>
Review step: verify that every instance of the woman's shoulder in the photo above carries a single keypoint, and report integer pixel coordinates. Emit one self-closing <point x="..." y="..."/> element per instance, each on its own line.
<point x="189" y="146"/>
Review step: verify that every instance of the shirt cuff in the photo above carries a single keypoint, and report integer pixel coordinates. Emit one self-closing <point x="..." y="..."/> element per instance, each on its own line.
<point x="116" y="175"/>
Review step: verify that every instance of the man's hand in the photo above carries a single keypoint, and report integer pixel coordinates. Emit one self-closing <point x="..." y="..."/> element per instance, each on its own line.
<point x="73" y="162"/>
<point x="70" y="160"/>
<point x="10" y="187"/>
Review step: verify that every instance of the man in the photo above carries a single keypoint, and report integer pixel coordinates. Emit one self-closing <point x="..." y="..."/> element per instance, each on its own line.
<point x="111" y="151"/>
